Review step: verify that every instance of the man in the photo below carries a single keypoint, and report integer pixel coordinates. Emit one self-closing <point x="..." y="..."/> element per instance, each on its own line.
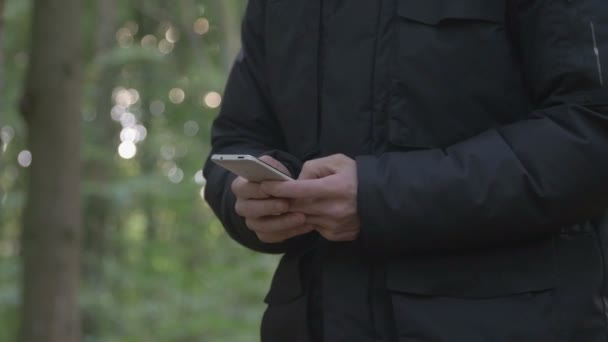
<point x="455" y="176"/>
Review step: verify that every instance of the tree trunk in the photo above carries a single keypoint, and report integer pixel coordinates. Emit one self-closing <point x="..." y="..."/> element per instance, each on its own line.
<point x="51" y="236"/>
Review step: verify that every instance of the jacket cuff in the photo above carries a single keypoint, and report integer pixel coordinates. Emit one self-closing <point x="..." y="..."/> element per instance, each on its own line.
<point x="371" y="234"/>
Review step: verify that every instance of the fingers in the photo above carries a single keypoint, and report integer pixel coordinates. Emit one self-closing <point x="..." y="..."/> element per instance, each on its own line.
<point x="323" y="167"/>
<point x="317" y="168"/>
<point x="323" y="207"/>
<point x="320" y="223"/>
<point x="321" y="199"/>
<point x="318" y="177"/>
<point x="279" y="228"/>
<point x="275" y="163"/>
<point x="274" y="224"/>
<point x="330" y="231"/>
<point x="255" y="208"/>
<point x="245" y="189"/>
<point x="296" y="189"/>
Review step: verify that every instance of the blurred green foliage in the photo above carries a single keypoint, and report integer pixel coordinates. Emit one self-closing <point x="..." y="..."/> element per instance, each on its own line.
<point x="160" y="268"/>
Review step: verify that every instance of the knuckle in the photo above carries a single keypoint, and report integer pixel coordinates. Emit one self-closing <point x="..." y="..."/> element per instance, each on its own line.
<point x="336" y="210"/>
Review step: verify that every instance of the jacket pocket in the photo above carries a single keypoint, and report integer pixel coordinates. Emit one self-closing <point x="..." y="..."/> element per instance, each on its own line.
<point x="286" y="317"/>
<point x="452" y="71"/>
<point x="504" y="294"/>
<point x="286" y="285"/>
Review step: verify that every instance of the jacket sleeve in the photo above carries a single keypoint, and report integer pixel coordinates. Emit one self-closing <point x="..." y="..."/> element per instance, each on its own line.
<point x="246" y="125"/>
<point x="514" y="182"/>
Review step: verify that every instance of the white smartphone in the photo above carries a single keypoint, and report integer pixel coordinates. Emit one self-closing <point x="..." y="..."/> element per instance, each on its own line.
<point x="249" y="167"/>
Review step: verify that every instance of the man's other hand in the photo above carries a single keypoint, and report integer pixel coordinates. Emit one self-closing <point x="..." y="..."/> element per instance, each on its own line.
<point x="326" y="192"/>
<point x="269" y="217"/>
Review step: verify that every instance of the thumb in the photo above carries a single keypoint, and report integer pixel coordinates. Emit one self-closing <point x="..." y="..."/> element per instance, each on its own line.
<point x="317" y="168"/>
<point x="275" y="163"/>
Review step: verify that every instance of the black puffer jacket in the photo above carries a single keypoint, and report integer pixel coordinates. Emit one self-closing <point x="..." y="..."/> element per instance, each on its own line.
<point x="480" y="131"/>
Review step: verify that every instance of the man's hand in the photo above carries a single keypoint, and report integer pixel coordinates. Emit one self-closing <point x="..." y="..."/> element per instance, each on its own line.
<point x="326" y="192"/>
<point x="267" y="216"/>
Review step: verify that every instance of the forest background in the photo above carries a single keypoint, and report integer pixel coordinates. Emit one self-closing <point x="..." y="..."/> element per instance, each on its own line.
<point x="105" y="114"/>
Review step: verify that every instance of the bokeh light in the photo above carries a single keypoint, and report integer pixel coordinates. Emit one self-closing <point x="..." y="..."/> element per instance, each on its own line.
<point x="167" y="152"/>
<point x="132" y="26"/>
<point x="175" y="174"/>
<point x="7" y="133"/>
<point x="134" y="96"/>
<point x="128" y="119"/>
<point x="165" y="47"/>
<point x="127" y="150"/>
<point x="117" y="112"/>
<point x="213" y="99"/>
<point x="177" y="95"/>
<point x="172" y="35"/>
<point x="124" y="37"/>
<point x="201" y="26"/>
<point x="24" y="158"/>
<point x="149" y="42"/>
<point x="199" y="178"/>
<point x="128" y="134"/>
<point x="125" y="97"/>
<point x="142" y="132"/>
<point x="157" y="107"/>
<point x="191" y="128"/>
